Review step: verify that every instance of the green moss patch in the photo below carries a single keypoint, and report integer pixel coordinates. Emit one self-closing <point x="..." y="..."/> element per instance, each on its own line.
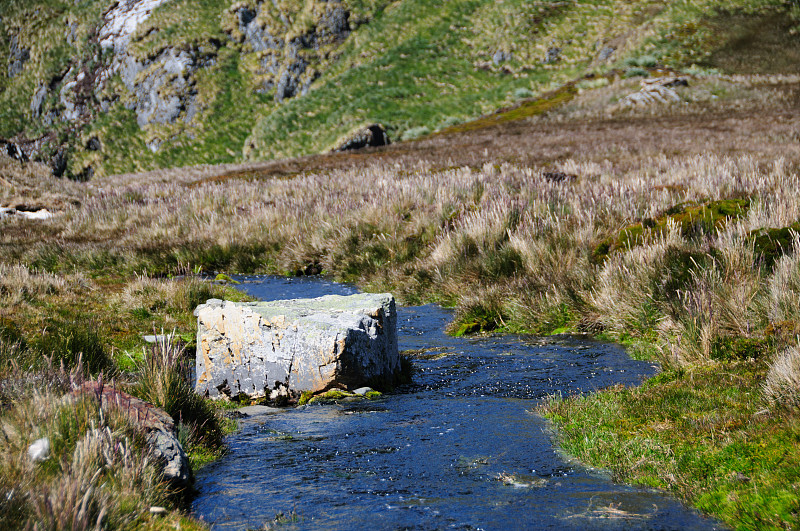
<point x="692" y="219"/>
<point x="770" y="244"/>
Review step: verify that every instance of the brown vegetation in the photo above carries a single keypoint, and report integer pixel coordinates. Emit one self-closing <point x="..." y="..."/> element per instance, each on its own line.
<point x="503" y="222"/>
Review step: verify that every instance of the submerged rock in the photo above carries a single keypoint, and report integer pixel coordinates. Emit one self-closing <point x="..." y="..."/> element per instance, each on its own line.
<point x="258" y="348"/>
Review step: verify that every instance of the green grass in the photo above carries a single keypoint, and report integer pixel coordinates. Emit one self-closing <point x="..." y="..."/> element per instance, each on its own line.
<point x="417" y="66"/>
<point x="702" y="433"/>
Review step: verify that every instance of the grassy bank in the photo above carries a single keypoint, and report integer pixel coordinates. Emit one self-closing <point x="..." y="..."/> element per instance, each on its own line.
<point x="712" y="435"/>
<point x="595" y="218"/>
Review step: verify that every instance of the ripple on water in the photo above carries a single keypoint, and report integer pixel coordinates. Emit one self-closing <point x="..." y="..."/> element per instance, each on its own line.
<point x="459" y="448"/>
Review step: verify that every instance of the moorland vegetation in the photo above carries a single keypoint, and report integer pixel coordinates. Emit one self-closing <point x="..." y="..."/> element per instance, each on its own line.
<point x="670" y="228"/>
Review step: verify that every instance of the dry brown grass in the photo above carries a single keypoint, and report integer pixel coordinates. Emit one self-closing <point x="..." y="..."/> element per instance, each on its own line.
<point x="501" y="222"/>
<point x="19" y="284"/>
<point x="782" y="385"/>
<point x="98" y="473"/>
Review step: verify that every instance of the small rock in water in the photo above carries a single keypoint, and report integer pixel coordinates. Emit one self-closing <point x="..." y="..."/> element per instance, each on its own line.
<point x="361" y="391"/>
<point x="39" y="450"/>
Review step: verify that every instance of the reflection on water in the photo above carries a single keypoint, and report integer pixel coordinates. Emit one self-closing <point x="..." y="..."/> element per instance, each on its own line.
<point x="460" y="448"/>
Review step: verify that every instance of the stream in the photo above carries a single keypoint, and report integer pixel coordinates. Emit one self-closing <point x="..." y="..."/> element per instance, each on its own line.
<point x="460" y="448"/>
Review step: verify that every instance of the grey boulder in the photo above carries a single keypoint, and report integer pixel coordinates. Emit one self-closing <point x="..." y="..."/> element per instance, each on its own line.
<point x="274" y="349"/>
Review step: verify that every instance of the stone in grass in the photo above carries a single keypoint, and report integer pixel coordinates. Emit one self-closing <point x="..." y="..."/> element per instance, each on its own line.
<point x="39" y="450"/>
<point x="156" y="424"/>
<point x="273" y="349"/>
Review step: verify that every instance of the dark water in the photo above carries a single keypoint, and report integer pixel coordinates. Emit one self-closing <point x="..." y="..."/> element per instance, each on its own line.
<point x="461" y="448"/>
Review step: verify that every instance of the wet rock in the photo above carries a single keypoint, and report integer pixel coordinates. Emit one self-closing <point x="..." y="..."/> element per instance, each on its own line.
<point x="257" y="348"/>
<point x="362" y="391"/>
<point x="158" y="426"/>
<point x="370" y="136"/>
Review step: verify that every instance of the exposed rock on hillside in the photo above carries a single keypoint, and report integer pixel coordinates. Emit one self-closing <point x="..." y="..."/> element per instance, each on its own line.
<point x="656" y="90"/>
<point x="370" y="136"/>
<point x="285" y="59"/>
<point x="165" y="83"/>
<point x="17" y="58"/>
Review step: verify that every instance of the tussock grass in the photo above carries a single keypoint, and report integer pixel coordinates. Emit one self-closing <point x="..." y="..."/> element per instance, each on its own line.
<point x="98" y="473"/>
<point x="506" y="232"/>
<point x="164" y="380"/>
<point x="782" y="384"/>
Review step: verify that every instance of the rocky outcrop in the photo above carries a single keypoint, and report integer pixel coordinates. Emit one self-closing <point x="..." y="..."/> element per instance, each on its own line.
<point x="269" y="349"/>
<point x="373" y="135"/>
<point x="119" y="60"/>
<point x="287" y="62"/>
<point x="158" y="426"/>
<point x="18" y="56"/>
<point x="656" y="90"/>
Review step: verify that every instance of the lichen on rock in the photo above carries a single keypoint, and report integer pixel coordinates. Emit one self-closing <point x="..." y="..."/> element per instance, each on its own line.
<point x="275" y="348"/>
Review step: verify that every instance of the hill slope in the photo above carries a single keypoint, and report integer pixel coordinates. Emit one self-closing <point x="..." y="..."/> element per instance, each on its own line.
<point x="104" y="87"/>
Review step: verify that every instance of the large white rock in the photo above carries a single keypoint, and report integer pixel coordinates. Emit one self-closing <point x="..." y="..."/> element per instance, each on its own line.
<point x="264" y="348"/>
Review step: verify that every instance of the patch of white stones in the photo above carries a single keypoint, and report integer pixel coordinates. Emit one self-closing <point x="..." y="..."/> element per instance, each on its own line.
<point x="7" y="212"/>
<point x="123" y="19"/>
<point x="656" y="90"/>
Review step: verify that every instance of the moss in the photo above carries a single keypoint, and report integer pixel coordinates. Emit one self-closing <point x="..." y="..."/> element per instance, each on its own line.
<point x="336" y="394"/>
<point x="526" y="109"/>
<point x="476" y="319"/>
<point x="770" y="244"/>
<point x="702" y="433"/>
<point x="305" y="398"/>
<point x="691" y="219"/>
<point x="739" y="348"/>
<point x="783" y="333"/>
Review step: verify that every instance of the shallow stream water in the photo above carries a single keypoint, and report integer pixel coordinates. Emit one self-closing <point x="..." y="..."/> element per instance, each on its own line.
<point x="460" y="448"/>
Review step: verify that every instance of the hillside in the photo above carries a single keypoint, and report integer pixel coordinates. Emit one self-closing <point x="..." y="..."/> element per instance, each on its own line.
<point x="100" y="87"/>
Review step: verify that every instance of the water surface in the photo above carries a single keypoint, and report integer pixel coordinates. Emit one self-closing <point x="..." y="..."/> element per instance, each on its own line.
<point x="460" y="448"/>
